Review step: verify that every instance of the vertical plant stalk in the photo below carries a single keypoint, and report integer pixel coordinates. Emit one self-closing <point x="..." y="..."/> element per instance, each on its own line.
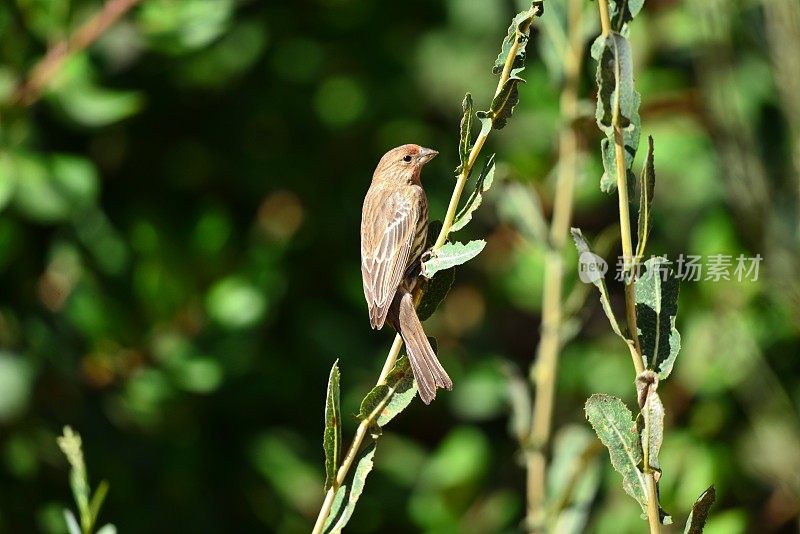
<point x="397" y="345"/>
<point x="545" y="369"/>
<point x="45" y="70"/>
<point x="653" y="516"/>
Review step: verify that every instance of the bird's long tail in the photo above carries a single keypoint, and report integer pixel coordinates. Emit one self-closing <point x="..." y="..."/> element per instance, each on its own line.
<point x="428" y="372"/>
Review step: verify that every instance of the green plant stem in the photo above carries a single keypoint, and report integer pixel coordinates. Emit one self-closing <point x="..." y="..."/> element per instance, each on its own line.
<point x="45" y="70"/>
<point x="545" y="369"/>
<point x="653" y="517"/>
<point x="397" y="345"/>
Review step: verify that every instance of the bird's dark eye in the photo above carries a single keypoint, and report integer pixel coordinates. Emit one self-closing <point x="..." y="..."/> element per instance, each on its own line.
<point x="407" y="158"/>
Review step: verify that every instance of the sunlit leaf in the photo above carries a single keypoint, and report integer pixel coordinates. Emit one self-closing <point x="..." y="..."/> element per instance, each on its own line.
<point x="332" y="440"/>
<point x="108" y="528"/>
<point x="653" y="430"/>
<point x="452" y="254"/>
<point x="622" y="11"/>
<point x="72" y="523"/>
<point x="346" y="497"/>
<point x="97" y="500"/>
<point x="656" y="310"/>
<point x="476" y="197"/>
<point x="613" y="423"/>
<point x="521" y="206"/>
<point x="387" y="400"/>
<point x="699" y="514"/>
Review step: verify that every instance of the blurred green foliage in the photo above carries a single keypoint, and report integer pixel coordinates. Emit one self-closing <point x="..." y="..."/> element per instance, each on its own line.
<point x="179" y="256"/>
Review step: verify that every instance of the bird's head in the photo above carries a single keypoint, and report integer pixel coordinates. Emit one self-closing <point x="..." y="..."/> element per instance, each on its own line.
<point x="404" y="163"/>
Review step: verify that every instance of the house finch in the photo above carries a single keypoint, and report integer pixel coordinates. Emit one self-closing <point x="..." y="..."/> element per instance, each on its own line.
<point x="394" y="225"/>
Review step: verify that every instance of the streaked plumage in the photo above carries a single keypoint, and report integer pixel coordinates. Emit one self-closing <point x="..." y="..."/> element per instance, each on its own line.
<point x="394" y="223"/>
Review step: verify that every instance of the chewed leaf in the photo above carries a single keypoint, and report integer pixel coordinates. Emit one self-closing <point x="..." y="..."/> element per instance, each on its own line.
<point x="503" y="103"/>
<point x="450" y="255"/>
<point x="346" y="497"/>
<point x="517" y="35"/>
<point x="653" y="432"/>
<point x="613" y="423"/>
<point x="656" y="311"/>
<point x="476" y="197"/>
<point x="622" y="11"/>
<point x="332" y="439"/>
<point x="697" y="517"/>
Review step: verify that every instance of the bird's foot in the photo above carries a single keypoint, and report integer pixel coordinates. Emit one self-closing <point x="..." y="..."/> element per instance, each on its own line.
<point x="426" y="256"/>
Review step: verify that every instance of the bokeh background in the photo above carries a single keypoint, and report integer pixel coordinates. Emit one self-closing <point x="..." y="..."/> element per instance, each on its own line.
<point x="179" y="260"/>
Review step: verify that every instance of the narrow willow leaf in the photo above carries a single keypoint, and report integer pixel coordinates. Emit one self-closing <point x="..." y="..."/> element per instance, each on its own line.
<point x="332" y="438"/>
<point x="656" y="309"/>
<point x="653" y="432"/>
<point x="465" y="137"/>
<point x="517" y="33"/>
<point x="595" y="268"/>
<point x="450" y="255"/>
<point x="346" y="497"/>
<point x="613" y="423"/>
<point x="697" y="517"/>
<point x="647" y="184"/>
<point x="503" y="103"/>
<point x="72" y="523"/>
<point x="573" y="478"/>
<point x="97" y="500"/>
<point x="621" y="12"/>
<point x="435" y="291"/>
<point x="476" y="197"/>
<point x="519" y="399"/>
<point x="616" y="98"/>
<point x="392" y="397"/>
<point x="520" y="205"/>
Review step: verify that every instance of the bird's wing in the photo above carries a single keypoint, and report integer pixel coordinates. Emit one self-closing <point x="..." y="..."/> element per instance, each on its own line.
<point x="387" y="237"/>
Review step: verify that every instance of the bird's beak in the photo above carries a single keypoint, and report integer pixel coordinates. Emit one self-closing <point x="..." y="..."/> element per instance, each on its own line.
<point x="425" y="155"/>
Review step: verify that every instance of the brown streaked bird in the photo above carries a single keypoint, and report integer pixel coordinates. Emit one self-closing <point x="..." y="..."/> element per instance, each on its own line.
<point x="394" y="225"/>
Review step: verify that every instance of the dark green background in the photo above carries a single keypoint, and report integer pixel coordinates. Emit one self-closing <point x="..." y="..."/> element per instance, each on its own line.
<point x="179" y="260"/>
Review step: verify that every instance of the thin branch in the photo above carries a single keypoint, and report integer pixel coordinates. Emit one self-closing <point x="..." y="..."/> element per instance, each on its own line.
<point x="397" y="345"/>
<point x="544" y="371"/>
<point x="45" y="70"/>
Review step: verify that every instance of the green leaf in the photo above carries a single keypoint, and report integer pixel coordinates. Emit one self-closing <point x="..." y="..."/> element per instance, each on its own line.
<point x="573" y="478"/>
<point x="656" y="310"/>
<point x="647" y="184"/>
<point x="387" y="400"/>
<point x="7" y="179"/>
<point x="450" y="255"/>
<point x="332" y="438"/>
<point x="697" y="517"/>
<point x="435" y="291"/>
<point x="616" y="98"/>
<point x="476" y="197"/>
<point x="97" y="500"/>
<point x="72" y="523"/>
<point x="465" y="131"/>
<point x="108" y="528"/>
<point x="513" y="50"/>
<point x="613" y="423"/>
<point x="622" y="11"/>
<point x="503" y="103"/>
<point x="517" y="33"/>
<point x="520" y="205"/>
<point x="346" y="497"/>
<point x="52" y="188"/>
<point x="595" y="268"/>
